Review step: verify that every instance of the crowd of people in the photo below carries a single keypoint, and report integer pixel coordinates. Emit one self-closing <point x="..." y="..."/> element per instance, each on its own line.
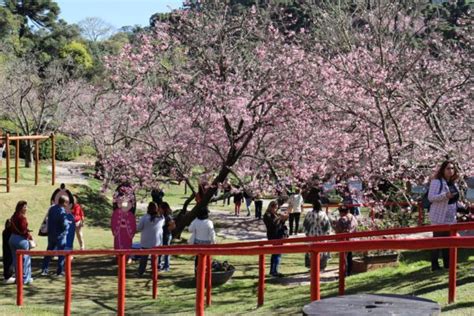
<point x="63" y="222"/>
<point x="316" y="223"/>
<point x="65" y="219"/>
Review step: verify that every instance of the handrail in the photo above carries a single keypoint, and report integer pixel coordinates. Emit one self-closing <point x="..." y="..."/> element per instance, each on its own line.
<point x="364" y="234"/>
<point x="339" y="246"/>
<point x="306" y="245"/>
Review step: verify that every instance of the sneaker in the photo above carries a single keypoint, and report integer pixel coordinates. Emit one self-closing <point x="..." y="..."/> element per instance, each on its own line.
<point x="30" y="281"/>
<point x="10" y="280"/>
<point x="60" y="275"/>
<point x="44" y="273"/>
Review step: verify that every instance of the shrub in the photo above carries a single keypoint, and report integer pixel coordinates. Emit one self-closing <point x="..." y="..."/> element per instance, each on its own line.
<point x="67" y="149"/>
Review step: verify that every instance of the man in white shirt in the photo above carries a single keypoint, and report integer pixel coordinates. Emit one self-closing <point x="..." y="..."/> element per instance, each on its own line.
<point x="295" y="205"/>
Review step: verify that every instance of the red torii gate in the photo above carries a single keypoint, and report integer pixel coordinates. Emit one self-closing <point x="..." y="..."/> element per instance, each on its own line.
<point x="36" y="138"/>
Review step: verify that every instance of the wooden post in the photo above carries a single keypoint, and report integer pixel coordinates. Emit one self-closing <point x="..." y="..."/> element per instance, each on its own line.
<point x="53" y="159"/>
<point x="420" y="214"/>
<point x="7" y="149"/>
<point x="37" y="155"/>
<point x="208" y="280"/>
<point x="19" y="279"/>
<point x="17" y="159"/>
<point x="342" y="272"/>
<point x="121" y="285"/>
<point x="68" y="291"/>
<point x="261" y="279"/>
<point x="453" y="261"/>
<point x="154" y="276"/>
<point x="315" y="281"/>
<point x="200" y="280"/>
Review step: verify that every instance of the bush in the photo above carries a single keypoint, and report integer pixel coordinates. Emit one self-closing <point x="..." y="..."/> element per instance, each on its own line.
<point x="87" y="150"/>
<point x="67" y="149"/>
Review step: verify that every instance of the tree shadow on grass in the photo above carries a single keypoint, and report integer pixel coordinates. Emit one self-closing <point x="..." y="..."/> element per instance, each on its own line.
<point x="410" y="257"/>
<point x="457" y="306"/>
<point x="97" y="207"/>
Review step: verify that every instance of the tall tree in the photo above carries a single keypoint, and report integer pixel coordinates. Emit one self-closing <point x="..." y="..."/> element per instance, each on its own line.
<point x="36" y="102"/>
<point x="95" y="29"/>
<point x="214" y="90"/>
<point x="41" y="13"/>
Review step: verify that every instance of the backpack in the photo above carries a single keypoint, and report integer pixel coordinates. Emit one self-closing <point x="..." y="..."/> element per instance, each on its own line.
<point x="425" y="202"/>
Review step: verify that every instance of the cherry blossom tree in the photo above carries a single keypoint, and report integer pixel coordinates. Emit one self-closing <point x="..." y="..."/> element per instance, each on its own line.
<point x="221" y="94"/>
<point x="399" y="91"/>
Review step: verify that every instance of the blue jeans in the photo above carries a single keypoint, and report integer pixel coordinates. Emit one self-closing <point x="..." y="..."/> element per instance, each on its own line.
<point x="248" y="203"/>
<point x="164" y="261"/>
<point x="19" y="242"/>
<point x="55" y="245"/>
<point x="274" y="263"/>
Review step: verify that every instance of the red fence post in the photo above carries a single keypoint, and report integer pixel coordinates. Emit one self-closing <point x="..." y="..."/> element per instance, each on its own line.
<point x="453" y="261"/>
<point x="420" y="214"/>
<point x="19" y="279"/>
<point x="315" y="270"/>
<point x="68" y="291"/>
<point x="208" y="280"/>
<point x="121" y="285"/>
<point x="342" y="272"/>
<point x="200" y="280"/>
<point x="154" y="276"/>
<point x="261" y="279"/>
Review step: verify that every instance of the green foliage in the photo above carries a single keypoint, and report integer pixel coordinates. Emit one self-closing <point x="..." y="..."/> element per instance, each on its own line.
<point x="9" y="23"/>
<point x="87" y="150"/>
<point x="78" y="53"/>
<point x="449" y="16"/>
<point x="42" y="13"/>
<point x="7" y="126"/>
<point x="67" y="149"/>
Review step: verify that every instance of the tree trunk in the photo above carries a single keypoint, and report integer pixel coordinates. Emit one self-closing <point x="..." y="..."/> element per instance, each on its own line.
<point x="185" y="218"/>
<point x="28" y="154"/>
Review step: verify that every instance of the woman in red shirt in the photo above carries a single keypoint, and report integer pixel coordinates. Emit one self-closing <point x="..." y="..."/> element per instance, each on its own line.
<point x="20" y="239"/>
<point x="78" y="214"/>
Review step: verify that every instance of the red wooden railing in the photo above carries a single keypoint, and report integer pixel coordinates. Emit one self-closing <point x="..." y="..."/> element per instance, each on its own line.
<point x="372" y="206"/>
<point x="262" y="248"/>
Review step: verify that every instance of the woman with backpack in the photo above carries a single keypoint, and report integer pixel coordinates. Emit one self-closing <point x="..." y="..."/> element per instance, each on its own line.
<point x="444" y="197"/>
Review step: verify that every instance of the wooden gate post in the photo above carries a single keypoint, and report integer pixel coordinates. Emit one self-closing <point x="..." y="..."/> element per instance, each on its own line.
<point x="17" y="159"/>
<point x="7" y="149"/>
<point x="36" y="161"/>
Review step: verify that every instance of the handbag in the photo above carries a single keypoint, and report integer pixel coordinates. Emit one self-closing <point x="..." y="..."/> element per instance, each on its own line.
<point x="43" y="231"/>
<point x="32" y="243"/>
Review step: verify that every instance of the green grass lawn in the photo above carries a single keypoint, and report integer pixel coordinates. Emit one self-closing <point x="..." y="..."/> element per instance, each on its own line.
<point x="95" y="282"/>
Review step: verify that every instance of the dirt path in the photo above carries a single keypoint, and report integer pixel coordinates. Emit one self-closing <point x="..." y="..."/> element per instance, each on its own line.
<point x="70" y="172"/>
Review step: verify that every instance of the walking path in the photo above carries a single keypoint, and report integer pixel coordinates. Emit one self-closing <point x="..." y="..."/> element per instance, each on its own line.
<point x="70" y="172"/>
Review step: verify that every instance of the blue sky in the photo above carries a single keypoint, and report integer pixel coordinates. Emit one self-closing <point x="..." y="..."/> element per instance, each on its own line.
<point x="116" y="12"/>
